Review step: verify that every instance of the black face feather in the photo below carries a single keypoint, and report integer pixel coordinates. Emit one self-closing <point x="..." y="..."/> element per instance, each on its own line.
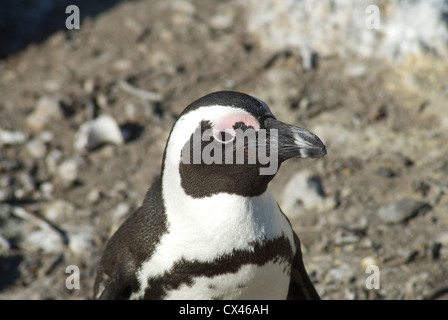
<point x="247" y="178"/>
<point x="202" y="180"/>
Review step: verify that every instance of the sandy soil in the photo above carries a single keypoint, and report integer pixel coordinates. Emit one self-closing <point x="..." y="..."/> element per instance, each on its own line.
<point x="385" y="128"/>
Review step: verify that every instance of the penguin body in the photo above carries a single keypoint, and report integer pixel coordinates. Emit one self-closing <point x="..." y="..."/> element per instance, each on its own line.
<point x="212" y="230"/>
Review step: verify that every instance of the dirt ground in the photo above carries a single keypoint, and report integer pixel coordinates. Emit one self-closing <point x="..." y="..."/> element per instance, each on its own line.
<point x="385" y="128"/>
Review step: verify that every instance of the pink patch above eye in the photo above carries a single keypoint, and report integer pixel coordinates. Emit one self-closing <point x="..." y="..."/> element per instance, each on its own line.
<point x="227" y="122"/>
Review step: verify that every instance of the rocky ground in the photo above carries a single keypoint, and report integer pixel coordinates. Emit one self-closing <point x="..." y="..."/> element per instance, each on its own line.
<point x="380" y="196"/>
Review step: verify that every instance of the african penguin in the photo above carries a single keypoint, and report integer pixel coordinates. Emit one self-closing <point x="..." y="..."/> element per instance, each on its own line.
<point x="209" y="228"/>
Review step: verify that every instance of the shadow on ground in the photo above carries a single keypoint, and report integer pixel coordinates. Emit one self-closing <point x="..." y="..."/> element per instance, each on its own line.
<point x="23" y="22"/>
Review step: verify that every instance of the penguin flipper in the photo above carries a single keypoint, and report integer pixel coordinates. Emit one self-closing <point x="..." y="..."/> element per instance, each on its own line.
<point x="300" y="287"/>
<point x="120" y="285"/>
<point x="130" y="245"/>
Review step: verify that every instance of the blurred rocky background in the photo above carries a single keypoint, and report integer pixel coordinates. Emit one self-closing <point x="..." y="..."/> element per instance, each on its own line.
<point x="85" y="114"/>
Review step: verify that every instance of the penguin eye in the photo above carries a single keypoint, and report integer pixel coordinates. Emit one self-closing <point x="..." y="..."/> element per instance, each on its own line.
<point x="242" y="126"/>
<point x="224" y="135"/>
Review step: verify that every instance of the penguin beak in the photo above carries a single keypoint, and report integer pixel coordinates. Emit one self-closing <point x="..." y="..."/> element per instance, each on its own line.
<point x="295" y="142"/>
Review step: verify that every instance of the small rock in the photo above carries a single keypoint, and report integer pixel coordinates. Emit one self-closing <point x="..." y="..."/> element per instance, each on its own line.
<point x="68" y="171"/>
<point x="36" y="148"/>
<point x="222" y="20"/>
<point x="122" y="65"/>
<point x="52" y="160"/>
<point x="4" y="244"/>
<point x="99" y="131"/>
<point x="130" y="110"/>
<point x="47" y="189"/>
<point x="368" y="261"/>
<point x="344" y="240"/>
<point x="46" y="136"/>
<point x="47" y="110"/>
<point x="58" y="211"/>
<point x="101" y="100"/>
<point x="82" y="241"/>
<point x="6" y="194"/>
<point x="120" y="211"/>
<point x="26" y="185"/>
<point x="12" y="137"/>
<point x="120" y="187"/>
<point x="93" y="196"/>
<point x="305" y="191"/>
<point x="443" y="238"/>
<point x="46" y="240"/>
<point x="402" y="210"/>
<point x="342" y="273"/>
<point x="89" y="86"/>
<point x="183" y="6"/>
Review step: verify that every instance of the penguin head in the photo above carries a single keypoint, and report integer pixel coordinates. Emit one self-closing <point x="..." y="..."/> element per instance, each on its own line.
<point x="231" y="142"/>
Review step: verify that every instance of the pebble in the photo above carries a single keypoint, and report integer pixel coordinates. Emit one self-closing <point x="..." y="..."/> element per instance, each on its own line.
<point x="68" y="171"/>
<point x="6" y="194"/>
<point x="305" y="191"/>
<point x="339" y="273"/>
<point x="52" y="160"/>
<point x="46" y="136"/>
<point x="46" y="110"/>
<point x="368" y="261"/>
<point x="93" y="196"/>
<point x="47" y="189"/>
<point x="223" y="20"/>
<point x="12" y="137"/>
<point x="4" y="244"/>
<point x="25" y="186"/>
<point x="130" y="111"/>
<point x="89" y="86"/>
<point x="97" y="132"/>
<point x="36" y="148"/>
<point x="44" y="240"/>
<point x="183" y="6"/>
<point x="58" y="211"/>
<point x="82" y="241"/>
<point x="122" y="65"/>
<point x="344" y="240"/>
<point x="402" y="210"/>
<point x="443" y="238"/>
<point x="120" y="211"/>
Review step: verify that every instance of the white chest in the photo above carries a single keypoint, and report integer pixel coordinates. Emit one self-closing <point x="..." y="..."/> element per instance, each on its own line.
<point x="199" y="236"/>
